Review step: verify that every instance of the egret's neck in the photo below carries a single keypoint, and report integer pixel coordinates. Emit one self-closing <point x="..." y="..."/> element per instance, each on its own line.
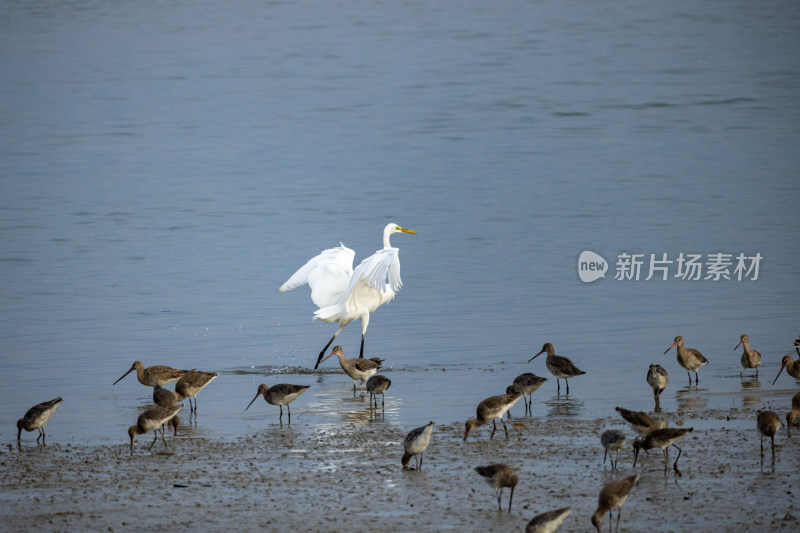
<point x="386" y="234"/>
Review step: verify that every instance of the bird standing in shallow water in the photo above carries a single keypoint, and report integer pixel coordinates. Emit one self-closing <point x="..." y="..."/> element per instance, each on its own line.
<point x="415" y="443"/>
<point x="688" y="358"/>
<point x="791" y="415"/>
<point x="166" y="398"/>
<point x="499" y="476"/>
<point x="190" y="384"/>
<point x="36" y="417"/>
<point x="357" y="369"/>
<point x="612" y="440"/>
<point x="560" y="367"/>
<point x="661" y="438"/>
<point x="344" y="294"/>
<point x="526" y="383"/>
<point x="547" y="522"/>
<point x="280" y="395"/>
<point x="613" y="494"/>
<point x="768" y="425"/>
<point x="792" y="368"/>
<point x="378" y="384"/>
<point x="658" y="379"/>
<point x="492" y="408"/>
<point x="750" y="357"/>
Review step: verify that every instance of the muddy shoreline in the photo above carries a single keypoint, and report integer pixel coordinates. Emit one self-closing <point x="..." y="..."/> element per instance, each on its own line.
<point x="300" y="477"/>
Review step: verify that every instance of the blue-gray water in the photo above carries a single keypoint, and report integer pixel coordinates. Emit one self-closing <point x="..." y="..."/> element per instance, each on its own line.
<point x="164" y="167"/>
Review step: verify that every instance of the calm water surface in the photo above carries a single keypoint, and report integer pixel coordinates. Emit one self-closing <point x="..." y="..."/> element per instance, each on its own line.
<point x="164" y="168"/>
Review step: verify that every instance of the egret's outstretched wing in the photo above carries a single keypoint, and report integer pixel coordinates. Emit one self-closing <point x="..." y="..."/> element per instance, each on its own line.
<point x="378" y="270"/>
<point x="328" y="275"/>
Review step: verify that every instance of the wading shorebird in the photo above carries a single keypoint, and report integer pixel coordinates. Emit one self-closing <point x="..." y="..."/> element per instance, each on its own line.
<point x="791" y="415"/>
<point x="658" y="379"/>
<point x="166" y="398"/>
<point x="640" y="422"/>
<point x="612" y="440"/>
<point x="499" y="476"/>
<point x="547" y="522"/>
<point x="492" y="408"/>
<point x="662" y="438"/>
<point x="344" y="294"/>
<point x="613" y="495"/>
<point x="190" y="384"/>
<point x="378" y="384"/>
<point x="526" y="383"/>
<point x="688" y="358"/>
<point x="153" y="419"/>
<point x="153" y="376"/>
<point x="750" y="357"/>
<point x="280" y="395"/>
<point x="792" y="368"/>
<point x="357" y="369"/>
<point x="768" y="425"/>
<point x="415" y="443"/>
<point x="36" y="417"/>
<point x="560" y="367"/>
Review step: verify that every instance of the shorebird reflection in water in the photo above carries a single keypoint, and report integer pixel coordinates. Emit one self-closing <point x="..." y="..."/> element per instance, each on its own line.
<point x="492" y="408"/>
<point x="280" y="395"/>
<point x="560" y="367"/>
<point x="36" y="417"/>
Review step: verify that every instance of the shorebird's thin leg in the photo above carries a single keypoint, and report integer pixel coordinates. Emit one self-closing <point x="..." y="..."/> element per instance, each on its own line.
<point x="772" y="438"/>
<point x="696" y="377"/>
<point x="499" y="494"/>
<point x="762" y="446"/>
<point x="289" y="410"/>
<point x="510" y="499"/>
<point x="504" y="428"/>
<point x="567" y="382"/>
<point x="494" y="428"/>
<point x="383" y="402"/>
<point x="163" y="439"/>
<point x="155" y="431"/>
<point x="605" y="452"/>
<point x="675" y="465"/>
<point x="420" y="462"/>
<point x="41" y="433"/>
<point x="756" y="372"/>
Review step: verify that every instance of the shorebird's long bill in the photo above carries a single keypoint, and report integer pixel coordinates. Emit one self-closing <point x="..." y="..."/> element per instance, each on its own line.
<point x="779" y="374"/>
<point x="671" y="345"/>
<point x="123" y="375"/>
<point x="535" y="356"/>
<point x="740" y="343"/>
<point x="251" y="401"/>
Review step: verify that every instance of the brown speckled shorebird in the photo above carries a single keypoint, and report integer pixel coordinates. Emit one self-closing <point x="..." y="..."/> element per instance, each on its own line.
<point x="280" y="395"/>
<point x="499" y="476"/>
<point x="613" y="495"/>
<point x="547" y="522"/>
<point x="612" y="440"/>
<point x="791" y="415"/>
<point x="640" y="422"/>
<point x="357" y="369"/>
<point x="190" y="384"/>
<point x="36" y="417"/>
<point x="378" y="384"/>
<point x="768" y="425"/>
<point x="658" y="379"/>
<point x="662" y="438"/>
<point x="415" y="443"/>
<point x="526" y="383"/>
<point x="493" y="407"/>
<point x="750" y="357"/>
<point x="153" y="376"/>
<point x="688" y="358"/>
<point x="792" y="368"/>
<point x="153" y="419"/>
<point x="560" y="367"/>
<point x="166" y="398"/>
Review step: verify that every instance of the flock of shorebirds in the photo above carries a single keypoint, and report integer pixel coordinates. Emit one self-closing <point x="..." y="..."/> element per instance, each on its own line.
<point x="343" y="294"/>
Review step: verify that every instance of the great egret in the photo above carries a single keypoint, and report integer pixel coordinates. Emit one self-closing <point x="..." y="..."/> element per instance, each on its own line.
<point x="343" y="293"/>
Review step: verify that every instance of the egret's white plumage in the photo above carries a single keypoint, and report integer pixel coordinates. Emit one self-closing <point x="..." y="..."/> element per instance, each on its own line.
<point x="343" y="293"/>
